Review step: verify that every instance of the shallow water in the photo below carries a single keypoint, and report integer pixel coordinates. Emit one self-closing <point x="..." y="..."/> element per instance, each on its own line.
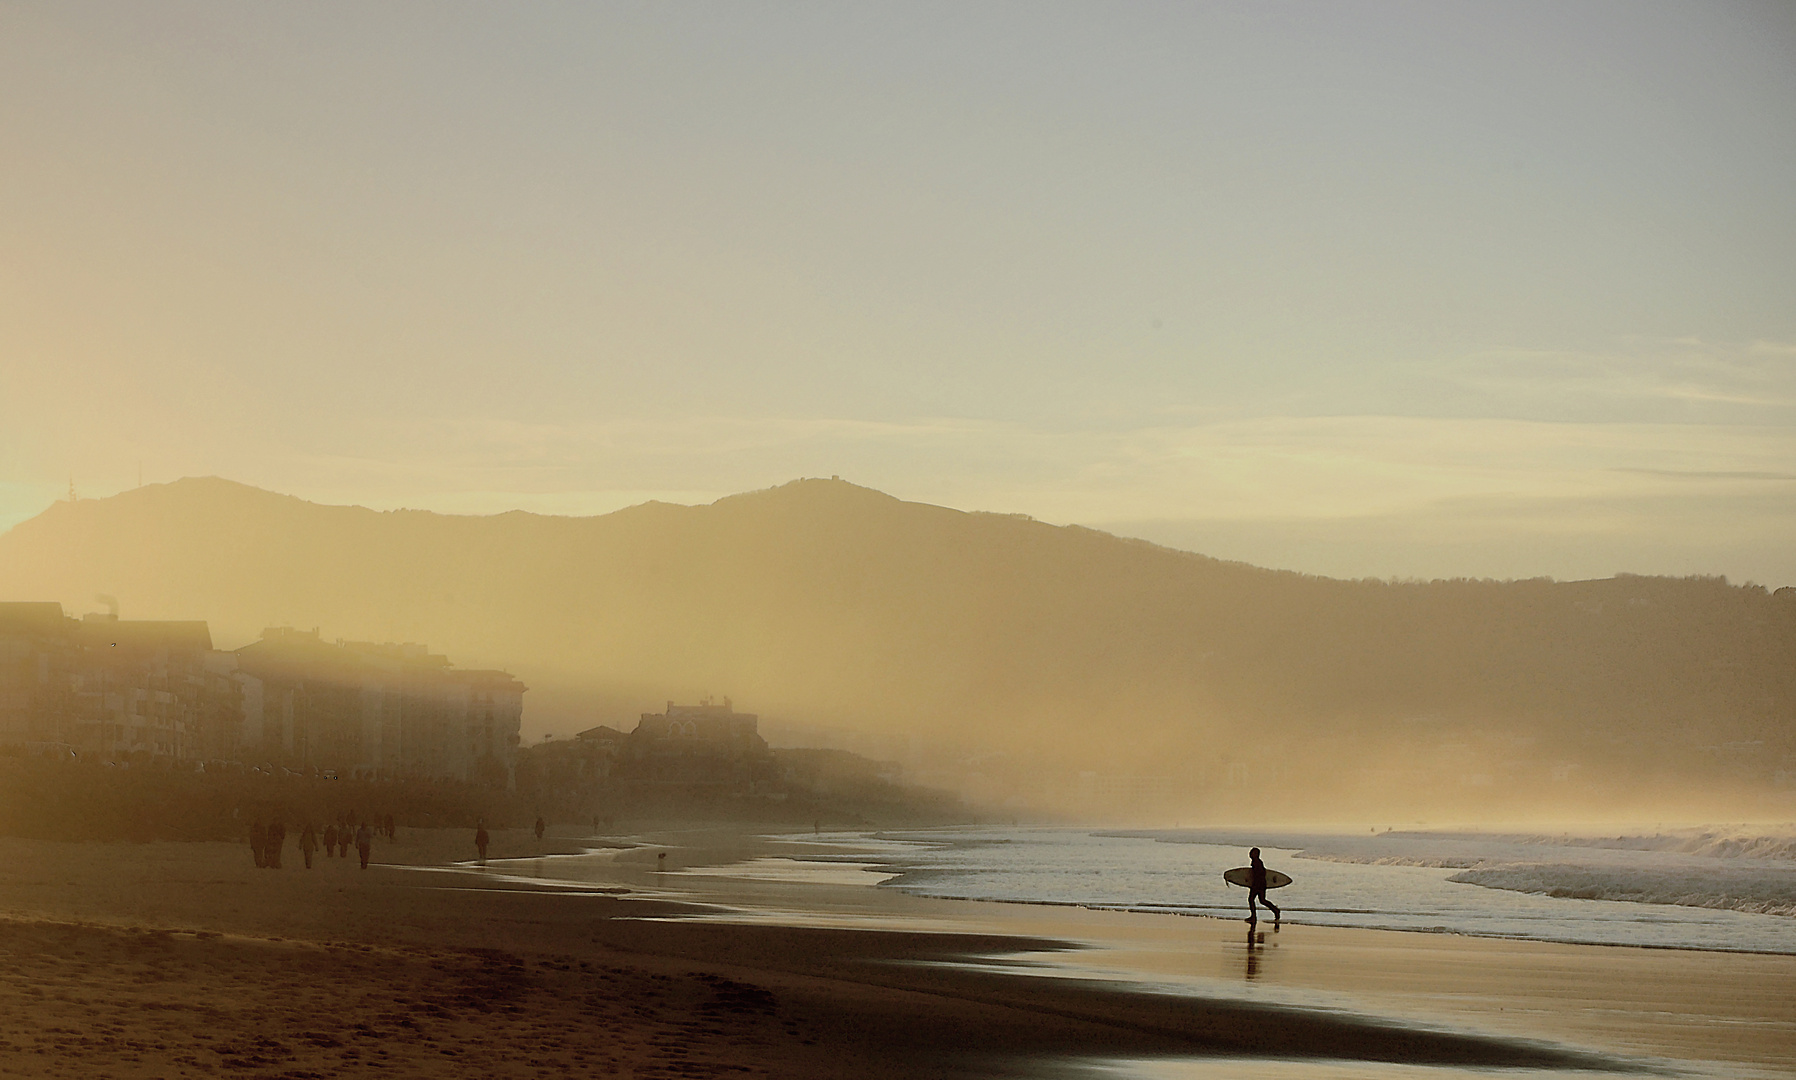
<point x="1278" y="1069"/>
<point x="1489" y="967"/>
<point x="1177" y="873"/>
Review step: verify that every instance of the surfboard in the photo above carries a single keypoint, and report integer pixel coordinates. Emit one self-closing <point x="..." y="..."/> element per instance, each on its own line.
<point x="1243" y="876"/>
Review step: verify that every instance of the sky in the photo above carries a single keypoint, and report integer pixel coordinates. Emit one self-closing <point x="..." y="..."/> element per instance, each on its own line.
<point x="1360" y="289"/>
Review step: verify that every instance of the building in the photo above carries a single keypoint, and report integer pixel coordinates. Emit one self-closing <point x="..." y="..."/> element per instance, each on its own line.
<point x="703" y="743"/>
<point x="372" y="709"/>
<point x="111" y="689"/>
<point x="605" y="741"/>
<point x="316" y="704"/>
<point x="39" y="648"/>
<point x="141" y="687"/>
<point x="491" y="705"/>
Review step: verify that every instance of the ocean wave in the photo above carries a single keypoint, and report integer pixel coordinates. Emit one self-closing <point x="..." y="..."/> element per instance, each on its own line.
<point x="1415" y="882"/>
<point x="1713" y="841"/>
<point x="1760" y="892"/>
<point x="1471" y="850"/>
<point x="1456" y="849"/>
<point x="1439" y="862"/>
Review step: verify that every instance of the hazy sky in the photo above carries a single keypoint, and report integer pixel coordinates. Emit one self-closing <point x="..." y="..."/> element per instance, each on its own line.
<point x="1437" y="288"/>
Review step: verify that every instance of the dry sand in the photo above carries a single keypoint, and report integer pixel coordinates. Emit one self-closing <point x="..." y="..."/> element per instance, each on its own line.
<point x="184" y="959"/>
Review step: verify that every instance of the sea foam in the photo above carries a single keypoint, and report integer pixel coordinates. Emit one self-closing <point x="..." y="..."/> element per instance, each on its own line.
<point x="1731" y="868"/>
<point x="1759" y="891"/>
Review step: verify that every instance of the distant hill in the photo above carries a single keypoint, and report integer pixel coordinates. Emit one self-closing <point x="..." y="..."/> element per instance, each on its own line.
<point x="839" y="605"/>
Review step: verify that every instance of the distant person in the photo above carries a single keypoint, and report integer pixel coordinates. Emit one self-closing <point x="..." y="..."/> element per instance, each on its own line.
<point x="364" y="843"/>
<point x="539" y="828"/>
<point x="308" y="843"/>
<point x="345" y="833"/>
<point x="392" y="828"/>
<point x="258" y="843"/>
<point x="330" y="840"/>
<point x="1256" y="886"/>
<point x="277" y="839"/>
<point x="661" y="862"/>
<point x="481" y="839"/>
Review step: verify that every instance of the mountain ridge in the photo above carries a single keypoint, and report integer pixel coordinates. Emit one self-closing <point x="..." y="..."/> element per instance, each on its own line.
<point x="845" y="606"/>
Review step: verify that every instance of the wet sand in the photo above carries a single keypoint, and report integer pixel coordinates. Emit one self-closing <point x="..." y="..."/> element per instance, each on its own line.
<point x="184" y="959"/>
<point x="1725" y="1014"/>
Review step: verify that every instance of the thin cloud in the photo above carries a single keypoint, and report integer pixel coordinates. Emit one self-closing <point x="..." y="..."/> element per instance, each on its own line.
<point x="1249" y="467"/>
<point x="1694" y="474"/>
<point x="1751" y="377"/>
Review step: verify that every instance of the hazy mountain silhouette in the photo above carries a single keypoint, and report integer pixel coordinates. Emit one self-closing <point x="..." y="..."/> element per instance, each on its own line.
<point x="840" y="605"/>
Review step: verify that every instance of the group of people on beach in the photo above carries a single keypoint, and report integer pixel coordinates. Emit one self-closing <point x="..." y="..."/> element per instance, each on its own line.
<point x="266" y="841"/>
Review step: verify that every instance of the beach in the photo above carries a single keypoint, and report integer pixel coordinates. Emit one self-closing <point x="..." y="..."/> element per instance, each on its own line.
<point x="172" y="959"/>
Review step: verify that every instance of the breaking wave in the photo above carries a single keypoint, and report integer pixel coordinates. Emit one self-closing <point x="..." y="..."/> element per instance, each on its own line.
<point x="1677" y="892"/>
<point x="1760" y="892"/>
<point x="1720" y="843"/>
<point x="1729" y="868"/>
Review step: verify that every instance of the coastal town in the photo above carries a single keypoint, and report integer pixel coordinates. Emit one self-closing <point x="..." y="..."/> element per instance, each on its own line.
<point x="277" y="726"/>
<point x="124" y="691"/>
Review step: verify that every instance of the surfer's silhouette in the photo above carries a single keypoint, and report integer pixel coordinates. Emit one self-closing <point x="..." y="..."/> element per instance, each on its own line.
<point x="1256" y="886"/>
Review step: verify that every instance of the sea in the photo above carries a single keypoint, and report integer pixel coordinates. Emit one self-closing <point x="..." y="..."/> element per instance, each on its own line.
<point x="1725" y="889"/>
<point x="1728" y="889"/>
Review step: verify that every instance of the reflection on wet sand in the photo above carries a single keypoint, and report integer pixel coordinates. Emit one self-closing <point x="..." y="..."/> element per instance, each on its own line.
<point x="1256" y="944"/>
<point x="1705" y="1011"/>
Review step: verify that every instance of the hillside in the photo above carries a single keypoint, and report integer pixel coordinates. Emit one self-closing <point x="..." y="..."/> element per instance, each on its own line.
<point x="842" y="606"/>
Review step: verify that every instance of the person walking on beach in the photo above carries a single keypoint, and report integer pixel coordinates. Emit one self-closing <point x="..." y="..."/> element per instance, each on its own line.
<point x="480" y="839"/>
<point x="539" y="828"/>
<point x="1257" y="887"/>
<point x="330" y="840"/>
<point x="277" y="839"/>
<point x="308" y="843"/>
<point x="364" y="843"/>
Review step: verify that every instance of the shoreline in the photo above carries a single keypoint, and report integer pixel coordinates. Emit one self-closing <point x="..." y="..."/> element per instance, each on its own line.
<point x="1473" y="934"/>
<point x="892" y="871"/>
<point x="1736" y="908"/>
<point x="845" y="1000"/>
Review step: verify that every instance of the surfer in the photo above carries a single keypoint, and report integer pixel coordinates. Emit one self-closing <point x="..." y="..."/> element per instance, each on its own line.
<point x="1256" y="886"/>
